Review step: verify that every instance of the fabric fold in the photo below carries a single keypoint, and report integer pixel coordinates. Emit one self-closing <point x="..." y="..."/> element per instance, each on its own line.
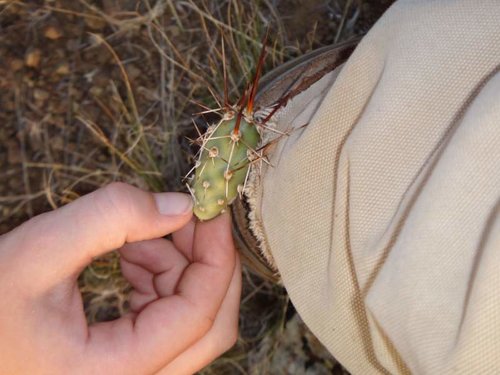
<point x="377" y="212"/>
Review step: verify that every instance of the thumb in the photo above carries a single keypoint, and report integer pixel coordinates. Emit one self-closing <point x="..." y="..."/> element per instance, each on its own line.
<point x="58" y="244"/>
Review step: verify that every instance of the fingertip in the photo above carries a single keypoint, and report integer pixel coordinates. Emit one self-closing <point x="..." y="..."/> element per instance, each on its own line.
<point x="174" y="204"/>
<point x="213" y="242"/>
<point x="221" y="223"/>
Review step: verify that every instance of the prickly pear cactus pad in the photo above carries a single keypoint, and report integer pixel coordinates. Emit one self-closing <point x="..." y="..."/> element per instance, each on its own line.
<point x="227" y="150"/>
<point x="226" y="154"/>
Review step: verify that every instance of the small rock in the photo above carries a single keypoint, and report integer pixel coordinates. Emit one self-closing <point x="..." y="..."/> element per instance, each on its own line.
<point x="63" y="69"/>
<point x="52" y="33"/>
<point x="95" y="23"/>
<point x="132" y="71"/>
<point x="40" y="95"/>
<point x="96" y="91"/>
<point x="28" y="81"/>
<point x="33" y="57"/>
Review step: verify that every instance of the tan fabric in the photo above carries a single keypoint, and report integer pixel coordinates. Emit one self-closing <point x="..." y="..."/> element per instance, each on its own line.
<point x="383" y="214"/>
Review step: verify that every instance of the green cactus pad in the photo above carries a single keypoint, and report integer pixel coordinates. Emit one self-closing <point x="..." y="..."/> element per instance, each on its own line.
<point x="223" y="166"/>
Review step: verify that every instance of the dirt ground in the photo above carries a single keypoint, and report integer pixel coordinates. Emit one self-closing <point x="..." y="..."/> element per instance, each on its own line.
<point x="99" y="91"/>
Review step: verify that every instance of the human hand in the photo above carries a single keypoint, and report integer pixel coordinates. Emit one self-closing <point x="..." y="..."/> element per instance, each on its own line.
<point x="184" y="307"/>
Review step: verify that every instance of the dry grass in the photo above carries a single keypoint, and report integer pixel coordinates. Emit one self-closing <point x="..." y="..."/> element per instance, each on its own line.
<point x="99" y="91"/>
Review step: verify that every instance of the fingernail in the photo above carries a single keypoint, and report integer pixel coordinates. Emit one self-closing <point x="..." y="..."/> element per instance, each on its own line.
<point x="172" y="204"/>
